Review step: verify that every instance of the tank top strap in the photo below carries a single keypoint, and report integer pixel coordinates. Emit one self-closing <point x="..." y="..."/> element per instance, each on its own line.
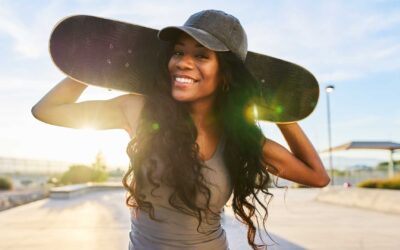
<point x="219" y="149"/>
<point x="221" y="144"/>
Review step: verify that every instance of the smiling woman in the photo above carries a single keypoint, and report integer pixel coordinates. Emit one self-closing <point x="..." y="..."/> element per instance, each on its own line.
<point x="192" y="144"/>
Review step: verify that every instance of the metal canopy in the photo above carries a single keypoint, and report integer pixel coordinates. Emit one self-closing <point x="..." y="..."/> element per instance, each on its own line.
<point x="386" y="145"/>
<point x="380" y="145"/>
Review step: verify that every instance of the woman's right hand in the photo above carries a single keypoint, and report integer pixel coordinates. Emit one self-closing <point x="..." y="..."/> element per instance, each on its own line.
<point x="59" y="107"/>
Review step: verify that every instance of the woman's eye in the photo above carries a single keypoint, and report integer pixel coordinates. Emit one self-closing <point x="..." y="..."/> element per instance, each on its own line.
<point x="202" y="56"/>
<point x="178" y="53"/>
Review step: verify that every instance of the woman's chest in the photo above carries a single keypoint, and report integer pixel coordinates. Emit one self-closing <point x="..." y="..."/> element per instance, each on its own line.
<point x="216" y="178"/>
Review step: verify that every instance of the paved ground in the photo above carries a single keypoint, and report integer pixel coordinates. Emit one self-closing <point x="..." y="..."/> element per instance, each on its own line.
<point x="100" y="221"/>
<point x="300" y="222"/>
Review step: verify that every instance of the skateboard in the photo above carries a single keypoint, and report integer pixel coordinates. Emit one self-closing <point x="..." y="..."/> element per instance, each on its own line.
<point x="126" y="57"/>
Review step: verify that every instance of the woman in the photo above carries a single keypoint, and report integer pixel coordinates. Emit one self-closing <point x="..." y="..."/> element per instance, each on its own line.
<point x="192" y="142"/>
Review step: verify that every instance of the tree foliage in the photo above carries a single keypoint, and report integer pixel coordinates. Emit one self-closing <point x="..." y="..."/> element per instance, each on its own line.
<point x="82" y="174"/>
<point x="391" y="183"/>
<point x="5" y="183"/>
<point x="383" y="166"/>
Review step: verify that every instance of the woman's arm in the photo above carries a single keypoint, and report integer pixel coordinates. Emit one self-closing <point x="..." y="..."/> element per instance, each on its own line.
<point x="302" y="165"/>
<point x="59" y="107"/>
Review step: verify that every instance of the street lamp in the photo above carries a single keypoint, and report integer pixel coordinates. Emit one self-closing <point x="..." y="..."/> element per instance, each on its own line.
<point x="329" y="89"/>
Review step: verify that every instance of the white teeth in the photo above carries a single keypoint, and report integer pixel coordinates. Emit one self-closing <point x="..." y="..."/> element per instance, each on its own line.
<point x="184" y="80"/>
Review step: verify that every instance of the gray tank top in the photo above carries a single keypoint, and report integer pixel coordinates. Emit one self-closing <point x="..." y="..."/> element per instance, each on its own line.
<point x="178" y="230"/>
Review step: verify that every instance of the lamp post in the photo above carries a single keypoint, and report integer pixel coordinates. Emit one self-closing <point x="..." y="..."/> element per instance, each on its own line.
<point x="329" y="89"/>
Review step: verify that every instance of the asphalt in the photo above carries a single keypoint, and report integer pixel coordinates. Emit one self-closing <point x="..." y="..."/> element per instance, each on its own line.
<point x="100" y="220"/>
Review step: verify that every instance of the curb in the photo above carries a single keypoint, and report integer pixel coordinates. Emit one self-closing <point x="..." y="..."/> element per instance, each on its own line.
<point x="70" y="191"/>
<point x="383" y="200"/>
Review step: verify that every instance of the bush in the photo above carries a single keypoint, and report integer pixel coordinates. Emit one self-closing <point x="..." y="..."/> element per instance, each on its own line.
<point x="5" y="183"/>
<point x="81" y="174"/>
<point x="53" y="181"/>
<point x="99" y="175"/>
<point x="391" y="183"/>
<point x="369" y="184"/>
<point x="298" y="185"/>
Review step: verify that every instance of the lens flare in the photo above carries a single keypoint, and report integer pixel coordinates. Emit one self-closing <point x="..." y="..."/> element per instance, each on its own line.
<point x="255" y="112"/>
<point x="279" y="109"/>
<point x="155" y="126"/>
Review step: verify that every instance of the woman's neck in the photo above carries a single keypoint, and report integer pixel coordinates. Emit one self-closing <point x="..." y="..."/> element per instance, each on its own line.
<point x="204" y="116"/>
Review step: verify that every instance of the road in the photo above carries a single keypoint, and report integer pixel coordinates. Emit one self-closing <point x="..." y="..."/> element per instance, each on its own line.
<point x="100" y="220"/>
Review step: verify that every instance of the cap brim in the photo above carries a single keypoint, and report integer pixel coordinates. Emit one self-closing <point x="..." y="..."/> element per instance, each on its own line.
<point x="209" y="41"/>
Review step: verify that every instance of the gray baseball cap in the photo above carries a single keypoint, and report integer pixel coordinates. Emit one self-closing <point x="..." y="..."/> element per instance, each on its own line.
<point x="214" y="29"/>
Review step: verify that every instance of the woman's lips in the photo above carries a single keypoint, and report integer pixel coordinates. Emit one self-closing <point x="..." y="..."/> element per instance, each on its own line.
<point x="183" y="81"/>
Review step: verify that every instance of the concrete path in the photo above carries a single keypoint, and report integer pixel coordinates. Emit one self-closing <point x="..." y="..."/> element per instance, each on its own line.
<point x="297" y="221"/>
<point x="99" y="220"/>
<point x="93" y="221"/>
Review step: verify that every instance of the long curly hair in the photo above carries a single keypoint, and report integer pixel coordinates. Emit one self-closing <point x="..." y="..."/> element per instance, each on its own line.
<point x="166" y="127"/>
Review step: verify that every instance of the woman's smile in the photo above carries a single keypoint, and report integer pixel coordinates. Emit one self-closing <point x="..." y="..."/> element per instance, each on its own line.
<point x="181" y="80"/>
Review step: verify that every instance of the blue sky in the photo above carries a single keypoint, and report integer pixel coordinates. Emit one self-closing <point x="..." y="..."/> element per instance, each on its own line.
<point x="354" y="45"/>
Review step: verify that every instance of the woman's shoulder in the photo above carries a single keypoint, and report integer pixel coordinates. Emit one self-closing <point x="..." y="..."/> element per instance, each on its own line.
<point x="132" y="105"/>
<point x="131" y="98"/>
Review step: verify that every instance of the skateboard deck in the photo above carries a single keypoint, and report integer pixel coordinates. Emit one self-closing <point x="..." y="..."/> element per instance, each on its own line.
<point x="123" y="56"/>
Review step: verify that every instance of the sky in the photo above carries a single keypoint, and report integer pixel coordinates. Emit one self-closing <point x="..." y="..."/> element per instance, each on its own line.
<point x="353" y="45"/>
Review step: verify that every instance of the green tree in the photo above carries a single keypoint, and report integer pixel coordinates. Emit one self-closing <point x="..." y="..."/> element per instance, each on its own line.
<point x="82" y="173"/>
<point x="383" y="166"/>
<point x="100" y="162"/>
<point x="5" y="183"/>
<point x="99" y="168"/>
<point x="77" y="174"/>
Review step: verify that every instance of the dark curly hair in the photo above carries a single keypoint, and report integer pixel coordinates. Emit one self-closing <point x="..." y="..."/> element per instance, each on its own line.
<point x="166" y="128"/>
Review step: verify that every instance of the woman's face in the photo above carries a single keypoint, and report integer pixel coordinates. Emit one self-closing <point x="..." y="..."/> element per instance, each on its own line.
<point x="193" y="70"/>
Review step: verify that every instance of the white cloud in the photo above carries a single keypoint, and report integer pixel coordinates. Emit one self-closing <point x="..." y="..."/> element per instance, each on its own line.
<point x="332" y="39"/>
<point x="338" y="75"/>
<point x="29" y="29"/>
<point x="11" y="26"/>
<point x="358" y="122"/>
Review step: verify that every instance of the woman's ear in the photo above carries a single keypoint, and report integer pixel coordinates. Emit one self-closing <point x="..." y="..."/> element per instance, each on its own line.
<point x="224" y="84"/>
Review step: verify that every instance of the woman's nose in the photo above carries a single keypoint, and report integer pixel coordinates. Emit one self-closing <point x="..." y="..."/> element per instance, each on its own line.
<point x="185" y="62"/>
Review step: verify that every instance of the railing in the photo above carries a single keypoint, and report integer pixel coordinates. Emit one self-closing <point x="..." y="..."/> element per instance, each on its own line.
<point x="10" y="199"/>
